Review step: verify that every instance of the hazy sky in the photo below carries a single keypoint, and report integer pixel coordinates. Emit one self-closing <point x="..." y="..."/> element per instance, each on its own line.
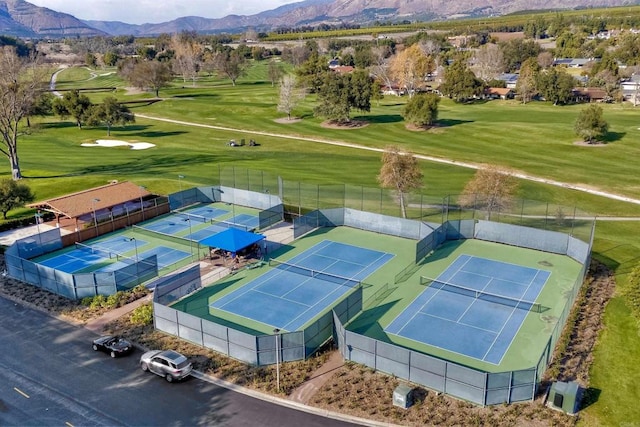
<point x="154" y="11"/>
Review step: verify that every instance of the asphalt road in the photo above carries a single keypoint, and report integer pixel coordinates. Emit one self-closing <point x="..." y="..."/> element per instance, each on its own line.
<point x="50" y="376"/>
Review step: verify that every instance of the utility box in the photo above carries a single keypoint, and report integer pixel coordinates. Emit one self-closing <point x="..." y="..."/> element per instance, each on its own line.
<point x="403" y="396"/>
<point x="564" y="396"/>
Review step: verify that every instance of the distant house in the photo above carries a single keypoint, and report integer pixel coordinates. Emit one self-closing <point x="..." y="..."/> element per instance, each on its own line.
<point x="510" y="79"/>
<point x="343" y="69"/>
<point x="631" y="88"/>
<point x="572" y="62"/>
<point x="589" y="94"/>
<point x="499" y="93"/>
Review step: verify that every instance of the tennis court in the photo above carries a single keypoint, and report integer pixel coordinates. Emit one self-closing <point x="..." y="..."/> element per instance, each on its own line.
<point x="294" y="292"/>
<point x="474" y="308"/>
<point x="166" y="256"/>
<point x="85" y="256"/>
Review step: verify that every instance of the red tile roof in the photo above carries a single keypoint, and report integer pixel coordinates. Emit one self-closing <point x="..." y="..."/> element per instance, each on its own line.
<point x="84" y="202"/>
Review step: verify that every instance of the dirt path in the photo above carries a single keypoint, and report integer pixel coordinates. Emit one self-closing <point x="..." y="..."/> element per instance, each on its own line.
<point x="419" y="156"/>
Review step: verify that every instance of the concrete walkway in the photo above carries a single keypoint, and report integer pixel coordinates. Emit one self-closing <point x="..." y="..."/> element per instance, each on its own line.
<point x="305" y="392"/>
<point x="97" y="325"/>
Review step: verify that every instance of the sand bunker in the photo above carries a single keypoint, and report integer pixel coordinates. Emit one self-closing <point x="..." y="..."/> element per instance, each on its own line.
<point x="116" y="143"/>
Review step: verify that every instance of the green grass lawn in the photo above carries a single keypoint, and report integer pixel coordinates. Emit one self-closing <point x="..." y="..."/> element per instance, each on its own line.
<point x="536" y="138"/>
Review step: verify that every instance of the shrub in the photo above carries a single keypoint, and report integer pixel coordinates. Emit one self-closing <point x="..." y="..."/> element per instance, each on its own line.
<point x="143" y="315"/>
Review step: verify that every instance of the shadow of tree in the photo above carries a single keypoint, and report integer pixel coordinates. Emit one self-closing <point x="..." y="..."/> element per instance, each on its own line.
<point x="613" y="137"/>
<point x="452" y="122"/>
<point x="382" y="118"/>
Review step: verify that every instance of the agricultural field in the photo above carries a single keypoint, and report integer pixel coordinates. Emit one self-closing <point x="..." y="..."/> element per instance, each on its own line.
<point x="535" y="139"/>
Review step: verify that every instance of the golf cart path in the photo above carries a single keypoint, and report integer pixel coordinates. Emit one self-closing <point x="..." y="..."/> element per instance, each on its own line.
<point x="419" y="156"/>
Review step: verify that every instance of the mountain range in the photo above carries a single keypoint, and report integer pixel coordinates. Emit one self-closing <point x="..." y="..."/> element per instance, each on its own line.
<point x="19" y="18"/>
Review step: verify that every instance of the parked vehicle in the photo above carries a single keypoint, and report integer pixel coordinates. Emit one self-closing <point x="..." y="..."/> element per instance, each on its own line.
<point x="114" y="345"/>
<point x="169" y="364"/>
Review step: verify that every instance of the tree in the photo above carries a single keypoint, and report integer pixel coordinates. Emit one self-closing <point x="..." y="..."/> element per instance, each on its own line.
<point x="312" y="72"/>
<point x="516" y="51"/>
<point x="342" y="92"/>
<point x="526" y="87"/>
<point x="422" y="109"/>
<point x="381" y="69"/>
<point x="230" y="64"/>
<point x="590" y="125"/>
<point x="376" y="92"/>
<point x="489" y="62"/>
<point x="411" y="67"/>
<point x="401" y="172"/>
<point x="42" y="106"/>
<point x="556" y="85"/>
<point x="110" y="113"/>
<point x="151" y="75"/>
<point x="13" y="195"/>
<point x="460" y="83"/>
<point x="290" y="94"/>
<point x="274" y="70"/>
<point x="73" y="104"/>
<point x="90" y="60"/>
<point x="545" y="60"/>
<point x="187" y="56"/>
<point x="491" y="188"/>
<point x="110" y="58"/>
<point x="21" y="81"/>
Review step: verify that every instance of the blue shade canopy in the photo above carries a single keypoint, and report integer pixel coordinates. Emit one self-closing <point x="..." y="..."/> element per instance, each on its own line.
<point x="231" y="239"/>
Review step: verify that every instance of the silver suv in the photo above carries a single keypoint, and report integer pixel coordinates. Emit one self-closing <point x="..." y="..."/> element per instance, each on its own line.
<point x="169" y="364"/>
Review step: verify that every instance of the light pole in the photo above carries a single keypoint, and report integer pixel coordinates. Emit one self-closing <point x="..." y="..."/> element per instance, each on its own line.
<point x="142" y="188"/>
<point x="180" y="178"/>
<point x="38" y="217"/>
<point x="190" y="236"/>
<point x="276" y="331"/>
<point x="93" y="208"/>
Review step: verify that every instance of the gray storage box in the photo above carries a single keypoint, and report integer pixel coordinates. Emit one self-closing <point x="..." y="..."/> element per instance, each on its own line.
<point x="403" y="396"/>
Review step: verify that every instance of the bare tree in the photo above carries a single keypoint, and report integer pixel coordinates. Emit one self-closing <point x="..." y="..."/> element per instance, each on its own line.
<point x="230" y="64"/>
<point x="491" y="189"/>
<point x="290" y="94"/>
<point x="187" y="57"/>
<point x="274" y="71"/>
<point x="251" y="35"/>
<point x="400" y="171"/>
<point x="380" y="68"/>
<point x="545" y="60"/>
<point x="21" y="81"/>
<point x="489" y="62"/>
<point x="411" y="67"/>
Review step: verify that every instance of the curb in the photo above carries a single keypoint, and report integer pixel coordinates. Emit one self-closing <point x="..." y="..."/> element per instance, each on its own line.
<point x="288" y="403"/>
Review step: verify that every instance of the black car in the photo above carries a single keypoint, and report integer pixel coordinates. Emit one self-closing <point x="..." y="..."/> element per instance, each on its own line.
<point x="114" y="345"/>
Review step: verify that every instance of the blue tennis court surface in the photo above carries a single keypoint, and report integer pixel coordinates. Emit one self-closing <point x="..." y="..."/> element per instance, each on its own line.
<point x="288" y="297"/>
<point x="206" y="212"/>
<point x="100" y="252"/>
<point x="250" y="222"/>
<point x="75" y="260"/>
<point x="168" y="225"/>
<point x="483" y="329"/>
<point x="166" y="257"/>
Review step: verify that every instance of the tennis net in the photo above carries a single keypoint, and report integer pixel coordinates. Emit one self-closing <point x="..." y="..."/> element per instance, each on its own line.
<point x="482" y="295"/>
<point x="183" y="241"/>
<point x="327" y="277"/>
<point x="104" y="253"/>
<point x="192" y="217"/>
<point x="229" y="224"/>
